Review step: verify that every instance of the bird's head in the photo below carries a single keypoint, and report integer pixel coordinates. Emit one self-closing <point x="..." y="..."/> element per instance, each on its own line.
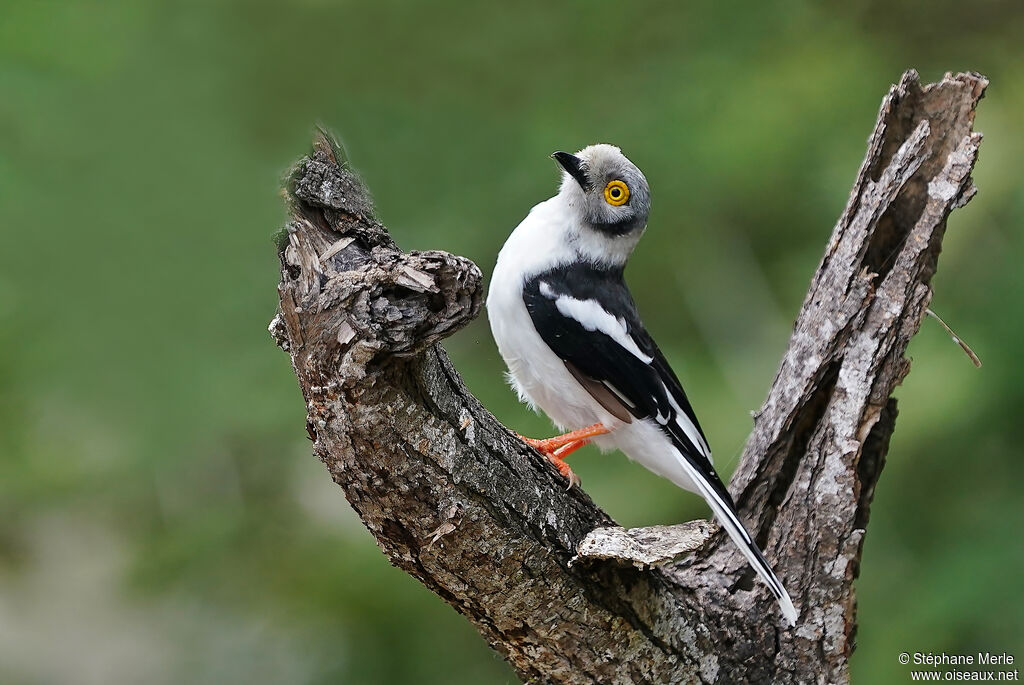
<point x="606" y="191"/>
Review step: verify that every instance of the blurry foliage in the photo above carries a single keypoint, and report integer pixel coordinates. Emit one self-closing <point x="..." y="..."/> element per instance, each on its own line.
<point x="162" y="518"/>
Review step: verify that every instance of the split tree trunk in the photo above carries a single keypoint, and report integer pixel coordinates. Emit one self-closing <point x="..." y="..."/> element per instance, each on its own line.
<point x="456" y="500"/>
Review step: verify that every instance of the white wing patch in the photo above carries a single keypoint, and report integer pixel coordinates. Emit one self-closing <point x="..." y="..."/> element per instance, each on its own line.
<point x="593" y="317"/>
<point x="618" y="393"/>
<point x="687" y="425"/>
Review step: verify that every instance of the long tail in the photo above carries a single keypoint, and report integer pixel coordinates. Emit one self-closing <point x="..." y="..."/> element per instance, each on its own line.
<point x="718" y="498"/>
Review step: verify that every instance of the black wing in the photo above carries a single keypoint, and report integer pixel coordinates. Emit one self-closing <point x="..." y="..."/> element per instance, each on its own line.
<point x="587" y="317"/>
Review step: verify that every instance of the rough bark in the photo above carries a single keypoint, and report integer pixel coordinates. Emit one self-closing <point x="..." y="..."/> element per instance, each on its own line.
<point x="456" y="500"/>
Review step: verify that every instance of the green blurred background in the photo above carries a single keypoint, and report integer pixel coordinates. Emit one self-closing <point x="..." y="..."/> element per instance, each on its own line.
<point x="161" y="517"/>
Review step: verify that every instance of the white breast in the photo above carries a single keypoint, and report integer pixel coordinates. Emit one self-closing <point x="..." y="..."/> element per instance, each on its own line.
<point x="538" y="376"/>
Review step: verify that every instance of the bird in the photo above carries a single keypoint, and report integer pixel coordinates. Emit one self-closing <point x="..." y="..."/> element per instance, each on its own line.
<point x="567" y="327"/>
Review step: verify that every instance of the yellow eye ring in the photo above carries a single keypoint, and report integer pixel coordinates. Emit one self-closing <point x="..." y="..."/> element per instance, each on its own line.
<point x="616" y="193"/>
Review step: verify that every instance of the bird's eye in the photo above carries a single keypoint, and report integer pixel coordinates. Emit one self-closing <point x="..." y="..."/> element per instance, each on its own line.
<point x="616" y="193"/>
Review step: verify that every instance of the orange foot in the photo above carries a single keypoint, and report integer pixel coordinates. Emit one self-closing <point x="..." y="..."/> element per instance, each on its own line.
<point x="556" y="449"/>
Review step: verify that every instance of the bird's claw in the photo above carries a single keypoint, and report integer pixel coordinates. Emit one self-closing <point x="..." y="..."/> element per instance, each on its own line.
<point x="547" y="446"/>
<point x="558" y="448"/>
<point x="563" y="468"/>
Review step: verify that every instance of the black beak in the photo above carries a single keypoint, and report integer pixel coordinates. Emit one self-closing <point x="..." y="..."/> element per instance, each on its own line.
<point x="573" y="165"/>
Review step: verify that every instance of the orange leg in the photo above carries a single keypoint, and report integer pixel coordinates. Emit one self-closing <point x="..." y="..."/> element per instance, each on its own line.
<point x="563" y="452"/>
<point x="558" y="459"/>
<point x="556" y="449"/>
<point x="550" y="445"/>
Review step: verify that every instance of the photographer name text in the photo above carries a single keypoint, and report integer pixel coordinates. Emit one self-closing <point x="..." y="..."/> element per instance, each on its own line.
<point x="981" y="659"/>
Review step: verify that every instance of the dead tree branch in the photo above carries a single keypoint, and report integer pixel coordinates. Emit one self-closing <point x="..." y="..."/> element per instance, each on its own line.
<point x="454" y="499"/>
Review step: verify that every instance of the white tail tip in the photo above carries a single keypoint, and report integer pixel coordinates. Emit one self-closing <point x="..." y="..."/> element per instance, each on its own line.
<point x="788" y="610"/>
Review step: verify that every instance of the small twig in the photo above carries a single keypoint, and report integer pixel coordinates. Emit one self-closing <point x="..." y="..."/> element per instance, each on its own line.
<point x="956" y="338"/>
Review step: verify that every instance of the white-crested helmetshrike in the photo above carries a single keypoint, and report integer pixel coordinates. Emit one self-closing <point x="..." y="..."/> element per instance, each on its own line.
<point x="568" y="329"/>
